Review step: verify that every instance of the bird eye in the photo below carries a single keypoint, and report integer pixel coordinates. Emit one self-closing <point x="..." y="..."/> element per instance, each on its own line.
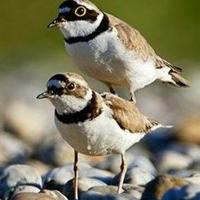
<point x="71" y="86"/>
<point x="80" y="11"/>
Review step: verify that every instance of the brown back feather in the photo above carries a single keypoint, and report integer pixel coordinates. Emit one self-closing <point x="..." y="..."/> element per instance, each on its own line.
<point x="132" y="38"/>
<point x="127" y="115"/>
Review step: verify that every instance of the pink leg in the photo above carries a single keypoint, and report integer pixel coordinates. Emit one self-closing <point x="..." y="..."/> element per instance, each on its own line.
<point x="75" y="175"/>
<point x="122" y="175"/>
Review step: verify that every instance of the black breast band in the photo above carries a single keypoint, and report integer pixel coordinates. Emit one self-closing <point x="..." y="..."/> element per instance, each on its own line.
<point x="85" y="114"/>
<point x="104" y="26"/>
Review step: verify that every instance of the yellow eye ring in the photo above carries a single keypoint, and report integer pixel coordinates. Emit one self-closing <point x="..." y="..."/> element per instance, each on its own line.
<point x="71" y="86"/>
<point x="80" y="11"/>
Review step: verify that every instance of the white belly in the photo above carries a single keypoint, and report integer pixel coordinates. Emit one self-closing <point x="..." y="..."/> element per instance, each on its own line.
<point x="101" y="136"/>
<point x="105" y="59"/>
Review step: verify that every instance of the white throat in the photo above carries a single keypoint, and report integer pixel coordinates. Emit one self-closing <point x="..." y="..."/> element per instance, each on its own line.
<point x="70" y="103"/>
<point x="80" y="28"/>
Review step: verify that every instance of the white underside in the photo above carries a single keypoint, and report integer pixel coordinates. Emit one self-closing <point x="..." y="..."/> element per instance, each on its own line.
<point x="101" y="136"/>
<point x="105" y="58"/>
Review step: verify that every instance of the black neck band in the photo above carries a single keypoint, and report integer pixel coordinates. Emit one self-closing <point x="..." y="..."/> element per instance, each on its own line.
<point x="81" y="116"/>
<point x="104" y="26"/>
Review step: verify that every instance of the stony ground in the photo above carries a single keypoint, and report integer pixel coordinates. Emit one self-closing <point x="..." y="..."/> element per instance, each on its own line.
<point x="36" y="164"/>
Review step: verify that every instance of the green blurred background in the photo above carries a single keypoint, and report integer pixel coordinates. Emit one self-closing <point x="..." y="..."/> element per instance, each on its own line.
<point x="171" y="26"/>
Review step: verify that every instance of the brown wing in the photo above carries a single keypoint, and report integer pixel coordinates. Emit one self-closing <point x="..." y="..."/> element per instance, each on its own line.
<point x="127" y="114"/>
<point x="134" y="41"/>
<point x="132" y="38"/>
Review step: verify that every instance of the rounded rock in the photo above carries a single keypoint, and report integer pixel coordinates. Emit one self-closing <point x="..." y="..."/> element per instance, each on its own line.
<point x="91" y="195"/>
<point x="56" y="178"/>
<point x="12" y="149"/>
<point x="112" y="163"/>
<point x="189" y="192"/>
<point x="54" y="150"/>
<point x="135" y="176"/>
<point x="162" y="183"/>
<point x="56" y="194"/>
<point x="84" y="184"/>
<point x="188" y="130"/>
<point x="19" y="177"/>
<point x="167" y="161"/>
<point x="135" y="191"/>
<point x="34" y="196"/>
<point x="26" y="121"/>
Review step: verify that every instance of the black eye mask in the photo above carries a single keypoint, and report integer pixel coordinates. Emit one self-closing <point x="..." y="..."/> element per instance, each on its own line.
<point x="56" y="84"/>
<point x="68" y="8"/>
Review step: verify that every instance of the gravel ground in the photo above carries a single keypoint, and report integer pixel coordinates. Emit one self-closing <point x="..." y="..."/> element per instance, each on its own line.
<point x="36" y="164"/>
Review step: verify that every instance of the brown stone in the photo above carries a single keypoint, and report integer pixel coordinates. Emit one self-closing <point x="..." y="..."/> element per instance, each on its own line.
<point x="189" y="130"/>
<point x="161" y="184"/>
<point x="33" y="196"/>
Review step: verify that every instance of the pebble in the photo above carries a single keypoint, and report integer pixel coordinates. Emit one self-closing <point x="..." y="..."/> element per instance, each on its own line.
<point x="40" y="196"/>
<point x="12" y="149"/>
<point x="188" y="130"/>
<point x="133" y="158"/>
<point x="26" y="121"/>
<point x="55" y="151"/>
<point x="135" y="176"/>
<point x="91" y="195"/>
<point x="189" y="192"/>
<point x="191" y="176"/>
<point x="40" y="166"/>
<point x="56" y="194"/>
<point x="24" y="189"/>
<point x="56" y="178"/>
<point x="135" y="191"/>
<point x="84" y="184"/>
<point x="109" y="189"/>
<point x="167" y="161"/>
<point x="19" y="178"/>
<point x="156" y="188"/>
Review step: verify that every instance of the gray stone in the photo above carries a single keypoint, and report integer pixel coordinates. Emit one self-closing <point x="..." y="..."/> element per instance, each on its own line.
<point x="84" y="184"/>
<point x="56" y="178"/>
<point x="19" y="178"/>
<point x="167" y="161"/>
<point x="135" y="191"/>
<point x="189" y="192"/>
<point x="91" y="195"/>
<point x="194" y="178"/>
<point x="109" y="189"/>
<point x="54" y="150"/>
<point x="193" y="151"/>
<point x="144" y="163"/>
<point x="40" y="166"/>
<point x="12" y="149"/>
<point x="135" y="176"/>
<point x="155" y="189"/>
<point x="26" y="120"/>
<point x="191" y="176"/>
<point x="112" y="163"/>
<point x="48" y="195"/>
<point x="55" y="194"/>
<point x="24" y="189"/>
<point x="100" y="174"/>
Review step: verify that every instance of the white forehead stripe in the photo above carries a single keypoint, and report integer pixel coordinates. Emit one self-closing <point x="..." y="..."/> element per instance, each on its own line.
<point x="64" y="10"/>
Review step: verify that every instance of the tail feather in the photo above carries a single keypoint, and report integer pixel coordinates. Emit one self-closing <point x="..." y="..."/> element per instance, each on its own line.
<point x="173" y="67"/>
<point x="156" y="125"/>
<point x="171" y="74"/>
<point x="178" y="80"/>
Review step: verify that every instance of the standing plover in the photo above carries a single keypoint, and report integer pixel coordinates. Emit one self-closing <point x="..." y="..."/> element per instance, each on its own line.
<point x="95" y="124"/>
<point x="108" y="49"/>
